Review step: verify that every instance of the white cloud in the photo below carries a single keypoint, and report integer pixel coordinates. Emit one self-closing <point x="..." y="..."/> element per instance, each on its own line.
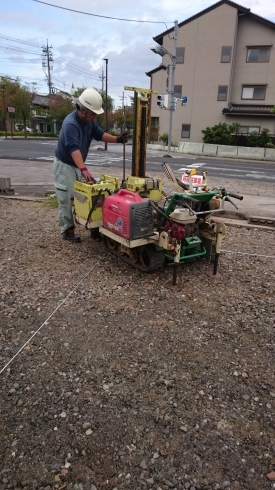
<point x="81" y="42"/>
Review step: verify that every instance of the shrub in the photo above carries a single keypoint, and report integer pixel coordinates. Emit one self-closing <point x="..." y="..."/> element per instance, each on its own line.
<point x="164" y="137"/>
<point x="253" y="139"/>
<point x="221" y="134"/>
<point x="261" y="139"/>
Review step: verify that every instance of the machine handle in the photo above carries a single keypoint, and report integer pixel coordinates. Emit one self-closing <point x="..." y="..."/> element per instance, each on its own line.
<point x="236" y="196"/>
<point x="131" y="195"/>
<point x="191" y="199"/>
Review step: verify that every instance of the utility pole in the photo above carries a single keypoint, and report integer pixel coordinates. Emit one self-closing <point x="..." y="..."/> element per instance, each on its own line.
<point x="123" y="112"/>
<point x="172" y="86"/>
<point x="172" y="103"/>
<point x="106" y="101"/>
<point x="102" y="78"/>
<point x="47" y="58"/>
<point x="3" y="87"/>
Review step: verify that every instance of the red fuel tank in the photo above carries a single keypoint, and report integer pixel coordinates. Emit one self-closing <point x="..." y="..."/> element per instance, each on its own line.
<point x="128" y="215"/>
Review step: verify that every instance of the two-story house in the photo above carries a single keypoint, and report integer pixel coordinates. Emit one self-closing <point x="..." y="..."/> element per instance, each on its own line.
<point x="226" y="69"/>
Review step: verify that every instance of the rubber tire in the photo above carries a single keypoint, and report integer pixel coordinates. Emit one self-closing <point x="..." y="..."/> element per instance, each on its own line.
<point x="109" y="243"/>
<point x="150" y="258"/>
<point x="95" y="235"/>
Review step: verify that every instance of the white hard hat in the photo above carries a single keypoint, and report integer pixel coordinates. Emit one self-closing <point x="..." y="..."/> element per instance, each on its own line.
<point x="91" y="100"/>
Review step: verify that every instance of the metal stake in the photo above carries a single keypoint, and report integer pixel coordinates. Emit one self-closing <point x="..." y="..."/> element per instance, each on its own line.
<point x="215" y="269"/>
<point x="123" y="162"/>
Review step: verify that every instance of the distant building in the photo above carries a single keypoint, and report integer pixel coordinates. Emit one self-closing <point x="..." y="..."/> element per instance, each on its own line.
<point x="225" y="68"/>
<point x="41" y="120"/>
<point x="40" y="113"/>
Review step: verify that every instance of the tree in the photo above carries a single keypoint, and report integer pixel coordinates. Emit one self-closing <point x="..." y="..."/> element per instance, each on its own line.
<point x="78" y="91"/>
<point x="221" y="134"/>
<point x="110" y="109"/>
<point x="60" y="106"/>
<point x="18" y="96"/>
<point x="22" y="104"/>
<point x="124" y="118"/>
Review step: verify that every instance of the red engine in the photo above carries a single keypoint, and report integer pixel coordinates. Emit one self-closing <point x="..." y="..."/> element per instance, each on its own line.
<point x="128" y="215"/>
<point x="177" y="230"/>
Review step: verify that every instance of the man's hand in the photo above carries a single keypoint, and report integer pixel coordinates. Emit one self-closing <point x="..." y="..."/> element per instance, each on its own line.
<point x="122" y="138"/>
<point x="85" y="172"/>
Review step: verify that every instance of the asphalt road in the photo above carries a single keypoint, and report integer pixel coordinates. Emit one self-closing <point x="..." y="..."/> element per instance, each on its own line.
<point x="43" y="150"/>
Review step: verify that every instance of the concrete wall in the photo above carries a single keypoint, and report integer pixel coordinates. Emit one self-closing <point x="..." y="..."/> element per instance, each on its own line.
<point x="222" y="151"/>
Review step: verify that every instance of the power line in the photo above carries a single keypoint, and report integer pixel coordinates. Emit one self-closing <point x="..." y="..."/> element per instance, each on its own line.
<point x="113" y="88"/>
<point x="7" y="46"/>
<point x="19" y="41"/>
<point x="74" y="68"/>
<point x="61" y="61"/>
<point x="103" y="16"/>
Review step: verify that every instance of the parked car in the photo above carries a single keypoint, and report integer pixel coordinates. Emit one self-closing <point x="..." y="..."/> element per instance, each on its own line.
<point x="20" y="127"/>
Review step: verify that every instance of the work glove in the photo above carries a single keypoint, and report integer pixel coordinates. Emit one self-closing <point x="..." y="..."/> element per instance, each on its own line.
<point x="85" y="172"/>
<point x="122" y="138"/>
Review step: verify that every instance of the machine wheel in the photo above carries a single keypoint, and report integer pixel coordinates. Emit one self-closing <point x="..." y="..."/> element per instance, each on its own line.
<point x="110" y="243"/>
<point x="134" y="256"/>
<point x="95" y="235"/>
<point x="150" y="258"/>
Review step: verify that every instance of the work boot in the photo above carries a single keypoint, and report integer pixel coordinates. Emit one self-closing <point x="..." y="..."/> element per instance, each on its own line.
<point x="70" y="236"/>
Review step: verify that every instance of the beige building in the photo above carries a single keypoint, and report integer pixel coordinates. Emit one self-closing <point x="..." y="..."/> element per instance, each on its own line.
<point x="226" y="69"/>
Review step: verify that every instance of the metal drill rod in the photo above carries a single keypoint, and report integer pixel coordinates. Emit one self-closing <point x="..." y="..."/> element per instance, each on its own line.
<point x="124" y="162"/>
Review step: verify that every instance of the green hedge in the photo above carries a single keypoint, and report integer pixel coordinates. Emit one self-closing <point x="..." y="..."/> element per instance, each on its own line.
<point x="29" y="135"/>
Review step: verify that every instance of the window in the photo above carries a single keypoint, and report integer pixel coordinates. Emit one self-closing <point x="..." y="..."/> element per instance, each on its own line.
<point x="177" y="91"/>
<point x="154" y="122"/>
<point x="222" y="92"/>
<point x="226" y="54"/>
<point x="258" y="55"/>
<point x="249" y="129"/>
<point x="180" y="55"/>
<point x="185" y="130"/>
<point x="254" y="93"/>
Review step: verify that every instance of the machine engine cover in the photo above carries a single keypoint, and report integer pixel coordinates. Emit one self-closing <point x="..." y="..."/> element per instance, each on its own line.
<point x="183" y="216"/>
<point x="128" y="215"/>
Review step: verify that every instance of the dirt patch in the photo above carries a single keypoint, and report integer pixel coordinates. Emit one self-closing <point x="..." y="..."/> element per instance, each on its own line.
<point x="132" y="384"/>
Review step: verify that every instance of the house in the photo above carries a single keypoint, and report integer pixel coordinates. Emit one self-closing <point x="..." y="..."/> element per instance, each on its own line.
<point x="40" y="113"/>
<point x="225" y="66"/>
<point x="41" y="108"/>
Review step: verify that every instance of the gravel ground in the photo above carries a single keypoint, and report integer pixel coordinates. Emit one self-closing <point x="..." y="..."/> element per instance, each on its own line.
<point x="133" y="384"/>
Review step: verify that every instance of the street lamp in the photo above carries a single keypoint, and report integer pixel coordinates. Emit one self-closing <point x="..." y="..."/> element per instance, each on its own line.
<point x="106" y="100"/>
<point x="3" y="87"/>
<point x="162" y="51"/>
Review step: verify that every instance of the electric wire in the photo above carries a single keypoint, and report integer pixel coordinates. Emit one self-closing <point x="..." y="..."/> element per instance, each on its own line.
<point x="71" y="66"/>
<point x="13" y="48"/>
<point x="249" y="254"/>
<point x="19" y="41"/>
<point x="45" y="322"/>
<point x="75" y="69"/>
<point x="103" y="16"/>
<point x="61" y="61"/>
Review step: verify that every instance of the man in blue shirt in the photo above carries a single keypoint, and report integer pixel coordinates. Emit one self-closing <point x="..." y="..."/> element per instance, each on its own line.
<point x="78" y="130"/>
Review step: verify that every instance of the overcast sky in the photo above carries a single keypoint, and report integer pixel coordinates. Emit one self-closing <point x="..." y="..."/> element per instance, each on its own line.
<point x="79" y="43"/>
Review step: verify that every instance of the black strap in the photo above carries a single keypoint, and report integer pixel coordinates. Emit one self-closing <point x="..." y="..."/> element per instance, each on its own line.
<point x="95" y="203"/>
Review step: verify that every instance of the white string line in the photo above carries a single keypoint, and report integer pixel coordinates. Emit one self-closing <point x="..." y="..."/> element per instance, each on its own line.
<point x="251" y="255"/>
<point x="45" y="322"/>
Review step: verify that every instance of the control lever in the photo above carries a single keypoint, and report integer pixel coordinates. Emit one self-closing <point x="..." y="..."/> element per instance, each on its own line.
<point x="231" y="202"/>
